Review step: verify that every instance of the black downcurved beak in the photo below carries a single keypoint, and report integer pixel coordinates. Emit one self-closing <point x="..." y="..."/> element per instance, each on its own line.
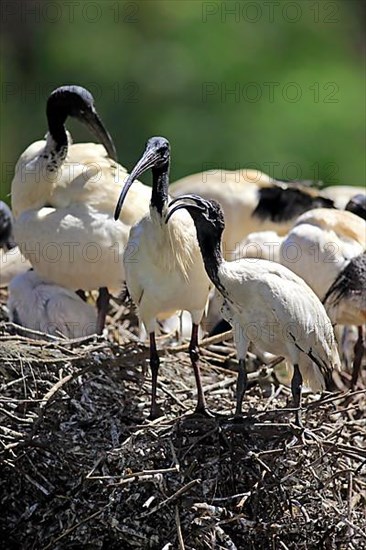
<point x="147" y="161"/>
<point x="94" y="123"/>
<point x="190" y="202"/>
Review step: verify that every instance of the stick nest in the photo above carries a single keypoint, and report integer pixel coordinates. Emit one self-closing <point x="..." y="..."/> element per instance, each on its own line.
<point x="82" y="467"/>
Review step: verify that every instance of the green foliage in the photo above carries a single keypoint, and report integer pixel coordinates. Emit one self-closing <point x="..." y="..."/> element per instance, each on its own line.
<point x="277" y="85"/>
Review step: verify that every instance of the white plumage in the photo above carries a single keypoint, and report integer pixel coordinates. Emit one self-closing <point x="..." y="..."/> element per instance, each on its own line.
<point x="261" y="244"/>
<point x="266" y="304"/>
<point x="50" y="308"/>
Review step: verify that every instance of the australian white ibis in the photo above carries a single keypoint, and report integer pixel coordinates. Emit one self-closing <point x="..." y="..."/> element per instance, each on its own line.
<point x="251" y="201"/>
<point x="266" y="304"/>
<point x="163" y="264"/>
<point x="63" y="200"/>
<point x="50" y="308"/>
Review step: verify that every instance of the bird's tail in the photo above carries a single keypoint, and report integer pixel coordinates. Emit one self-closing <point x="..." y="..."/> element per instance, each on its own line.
<point x="317" y="372"/>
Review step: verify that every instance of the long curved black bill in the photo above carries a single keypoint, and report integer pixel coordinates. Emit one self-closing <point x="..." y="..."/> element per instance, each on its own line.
<point x="96" y="126"/>
<point x="185" y="201"/>
<point x="146" y="162"/>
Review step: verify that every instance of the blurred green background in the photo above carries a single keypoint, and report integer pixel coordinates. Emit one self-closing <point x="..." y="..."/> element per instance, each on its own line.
<point x="276" y="85"/>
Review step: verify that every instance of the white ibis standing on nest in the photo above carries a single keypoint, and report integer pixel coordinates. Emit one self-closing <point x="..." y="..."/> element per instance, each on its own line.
<point x="47" y="307"/>
<point x="63" y="200"/>
<point x="251" y="201"/>
<point x="163" y="264"/>
<point x="320" y="248"/>
<point x="266" y="304"/>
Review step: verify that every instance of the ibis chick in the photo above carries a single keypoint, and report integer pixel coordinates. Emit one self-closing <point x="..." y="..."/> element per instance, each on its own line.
<point x="46" y="307"/>
<point x="163" y="264"/>
<point x="266" y="304"/>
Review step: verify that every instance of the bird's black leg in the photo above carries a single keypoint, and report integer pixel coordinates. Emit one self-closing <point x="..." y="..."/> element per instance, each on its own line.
<point x="102" y="306"/>
<point x="194" y="356"/>
<point x="296" y="385"/>
<point x="241" y="386"/>
<point x="358" y="351"/>
<point x="155" y="410"/>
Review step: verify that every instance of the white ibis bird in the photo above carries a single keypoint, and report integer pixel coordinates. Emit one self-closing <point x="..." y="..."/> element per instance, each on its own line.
<point x="6" y="227"/>
<point x="341" y="194"/>
<point x="63" y="199"/>
<point x="163" y="264"/>
<point x="50" y="308"/>
<point x="320" y="248"/>
<point x="251" y="201"/>
<point x="266" y="304"/>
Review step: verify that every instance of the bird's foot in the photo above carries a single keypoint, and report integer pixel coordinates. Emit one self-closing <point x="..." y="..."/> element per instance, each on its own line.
<point x="303" y="436"/>
<point x="202" y="410"/>
<point x="155" y="412"/>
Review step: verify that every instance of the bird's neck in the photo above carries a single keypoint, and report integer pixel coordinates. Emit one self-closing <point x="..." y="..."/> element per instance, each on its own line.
<point x="159" y="194"/>
<point x="210" y="246"/>
<point x="57" y="145"/>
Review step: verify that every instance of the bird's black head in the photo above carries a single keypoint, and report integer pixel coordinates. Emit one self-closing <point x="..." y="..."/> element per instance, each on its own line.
<point x="206" y="214"/>
<point x="78" y="103"/>
<point x="208" y="218"/>
<point x="157" y="158"/>
<point x="74" y="101"/>
<point x="158" y="151"/>
<point x="357" y="205"/>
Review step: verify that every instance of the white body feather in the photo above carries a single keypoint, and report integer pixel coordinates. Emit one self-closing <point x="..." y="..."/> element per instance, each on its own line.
<point x="261" y="244"/>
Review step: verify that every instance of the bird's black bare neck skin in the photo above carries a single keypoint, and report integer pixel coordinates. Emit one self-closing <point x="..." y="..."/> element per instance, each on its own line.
<point x="159" y="194"/>
<point x="56" y="116"/>
<point x="210" y="244"/>
<point x="281" y="205"/>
